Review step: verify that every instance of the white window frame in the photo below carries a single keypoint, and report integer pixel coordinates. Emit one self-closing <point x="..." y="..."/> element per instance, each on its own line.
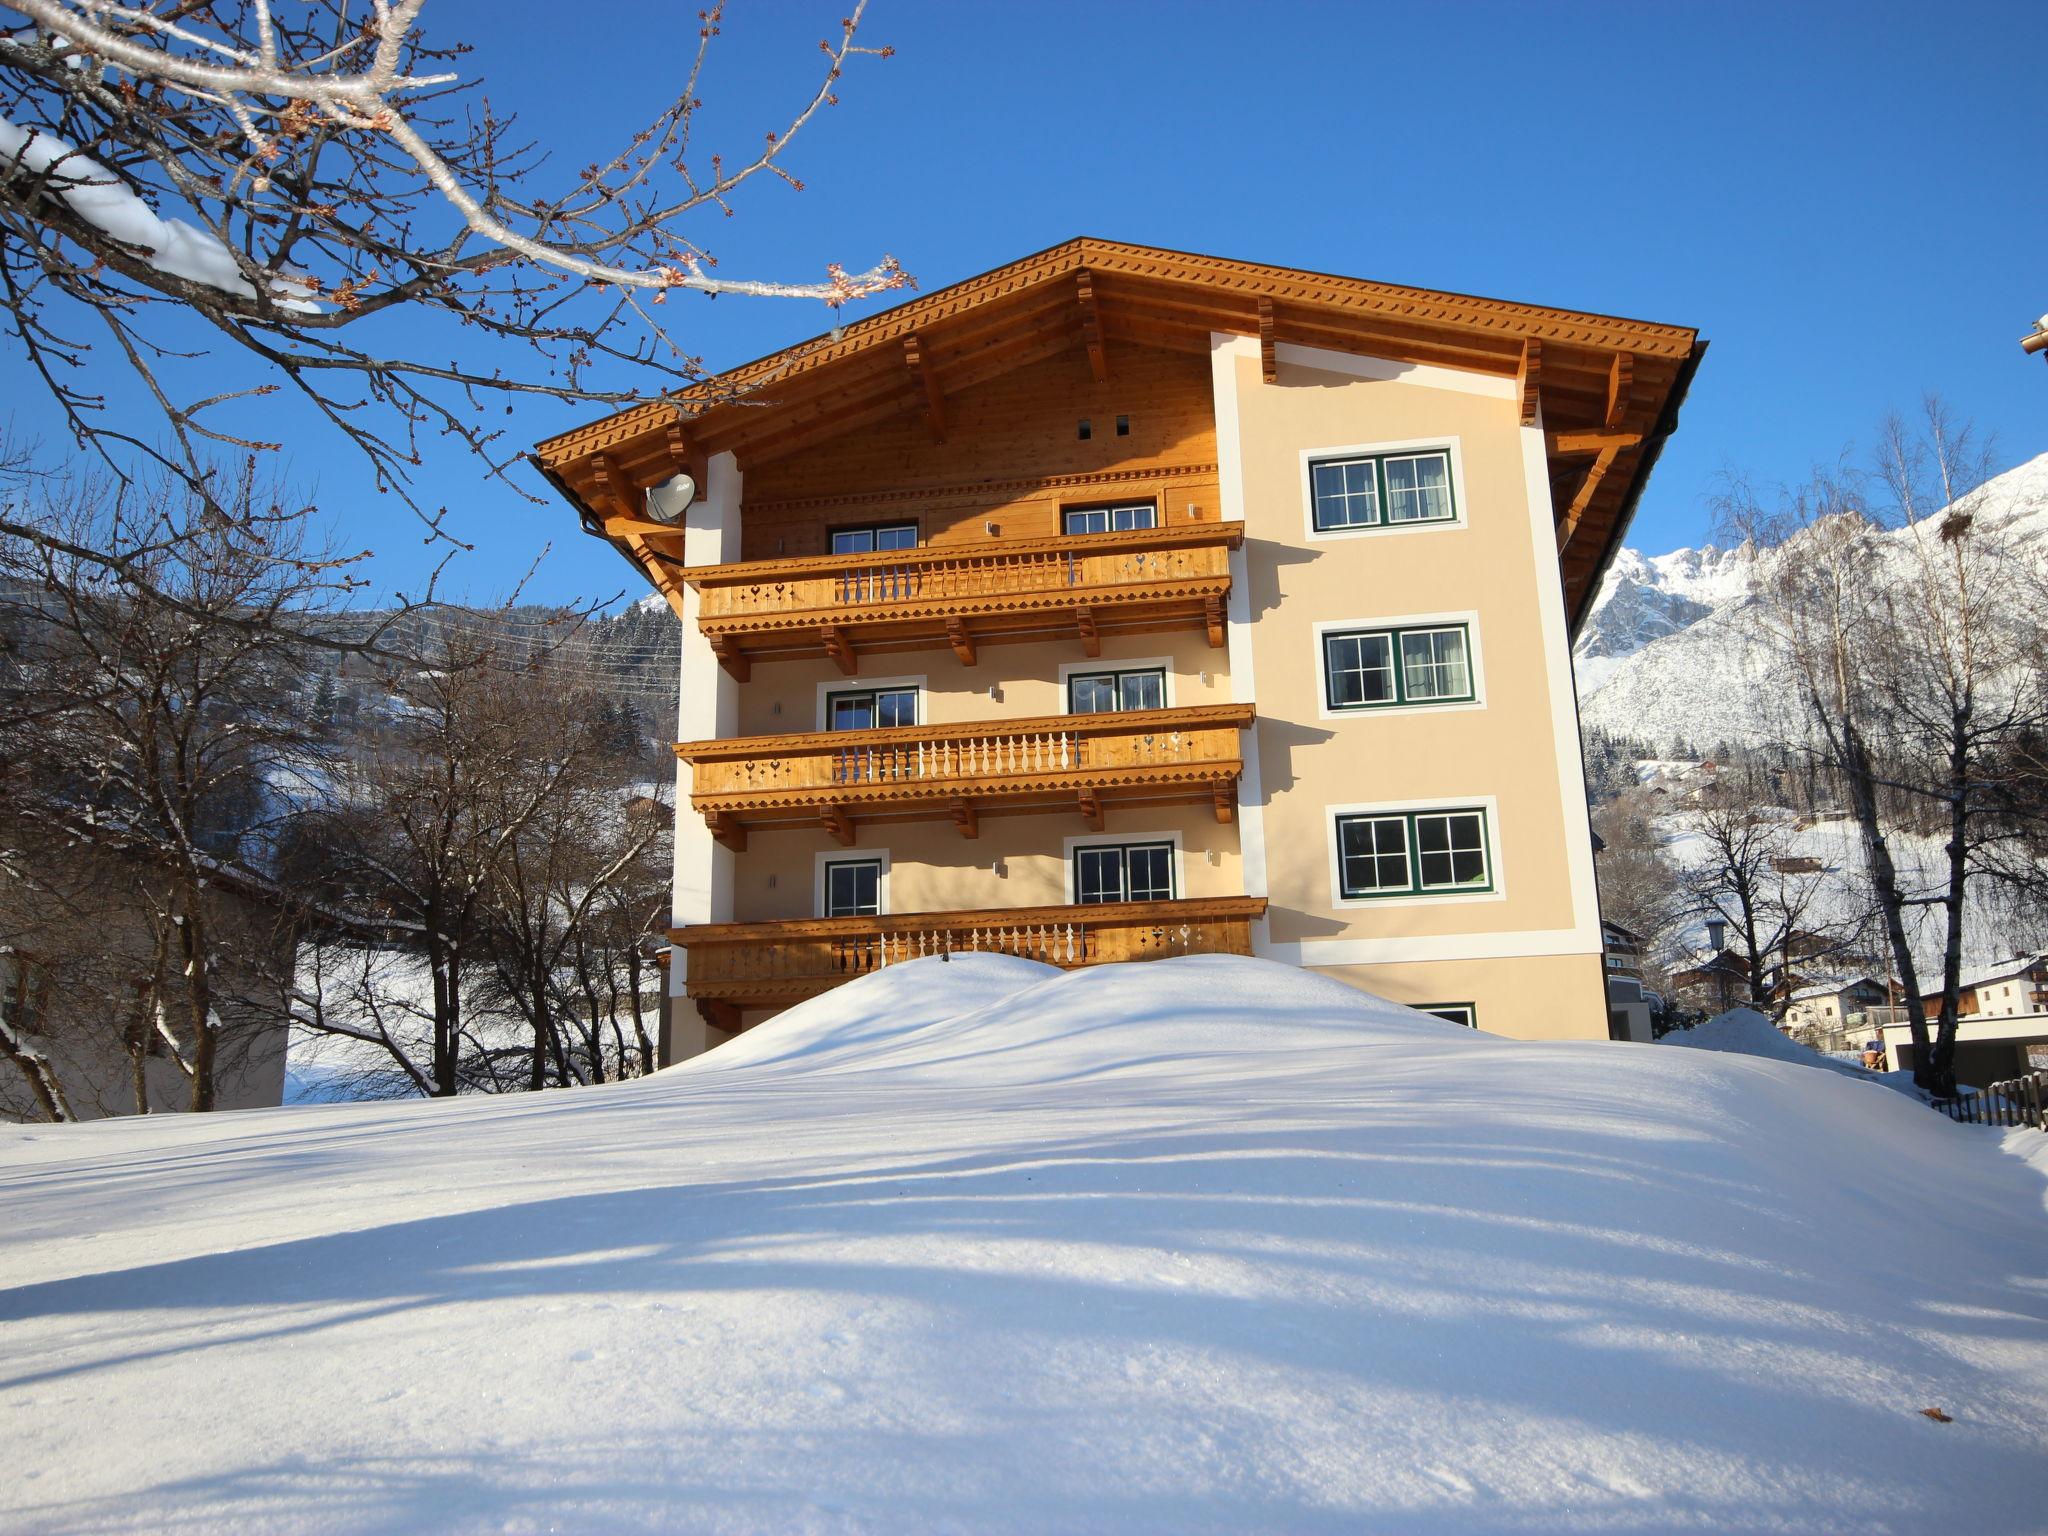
<point x="1489" y="805"/>
<point x="1470" y="1021"/>
<point x="851" y="856"/>
<point x="1149" y="502"/>
<point x="869" y="685"/>
<point x="1475" y="656"/>
<point x="1072" y="669"/>
<point x="1069" y="845"/>
<point x="1460" y="488"/>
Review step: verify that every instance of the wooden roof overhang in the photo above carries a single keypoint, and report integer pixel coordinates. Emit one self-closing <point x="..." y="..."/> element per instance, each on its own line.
<point x="1608" y="389"/>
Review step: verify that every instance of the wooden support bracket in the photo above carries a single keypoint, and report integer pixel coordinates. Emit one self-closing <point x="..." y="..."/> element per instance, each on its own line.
<point x="927" y="382"/>
<point x="613" y="493"/>
<point x="839" y="648"/>
<point x="961" y="641"/>
<point x="965" y="819"/>
<point x="1091" y="638"/>
<point x="1569" y="525"/>
<point x="732" y="658"/>
<point x="726" y="830"/>
<point x="1212" y="620"/>
<point x="1223" y="794"/>
<point x="1269" y="366"/>
<point x="1620" y="375"/>
<point x="719" y="1014"/>
<point x="835" y="822"/>
<point x="1529" y="380"/>
<point x="1091" y="327"/>
<point x="1091" y="810"/>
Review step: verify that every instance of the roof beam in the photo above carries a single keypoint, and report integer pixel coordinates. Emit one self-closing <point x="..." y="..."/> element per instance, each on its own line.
<point x="1091" y="326"/>
<point x="927" y="381"/>
<point x="1269" y="367"/>
<point x="1529" y="380"/>
<point x="1569" y="444"/>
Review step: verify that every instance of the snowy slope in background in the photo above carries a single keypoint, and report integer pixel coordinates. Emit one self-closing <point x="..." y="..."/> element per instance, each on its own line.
<point x="1664" y="656"/>
<point x="1198" y="1245"/>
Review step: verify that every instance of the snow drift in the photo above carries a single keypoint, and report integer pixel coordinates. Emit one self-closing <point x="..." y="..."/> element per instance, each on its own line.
<point x="1198" y="1245"/>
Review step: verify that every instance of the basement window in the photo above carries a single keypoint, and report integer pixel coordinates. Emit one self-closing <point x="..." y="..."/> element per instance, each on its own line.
<point x="1455" y="1013"/>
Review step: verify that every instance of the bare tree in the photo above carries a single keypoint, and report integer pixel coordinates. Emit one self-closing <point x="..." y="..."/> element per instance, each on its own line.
<point x="1748" y="878"/>
<point x="346" y="205"/>
<point x="161" y="734"/>
<point x="1911" y="640"/>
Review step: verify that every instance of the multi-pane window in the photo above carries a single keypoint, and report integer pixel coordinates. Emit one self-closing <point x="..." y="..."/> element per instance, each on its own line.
<point x="868" y="541"/>
<point x="1374" y="853"/>
<point x="853" y="888"/>
<point x="1382" y="490"/>
<point x="1367" y="668"/>
<point x="1092" y="693"/>
<point x="1129" y="872"/>
<point x="870" y="709"/>
<point x="1413" y="853"/>
<point x="1125" y="519"/>
<point x="1455" y="1013"/>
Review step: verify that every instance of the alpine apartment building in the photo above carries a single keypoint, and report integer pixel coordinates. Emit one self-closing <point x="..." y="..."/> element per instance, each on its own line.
<point x="1122" y="603"/>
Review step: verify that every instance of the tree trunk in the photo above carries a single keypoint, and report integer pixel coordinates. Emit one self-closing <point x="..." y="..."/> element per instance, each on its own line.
<point x="199" y="1006"/>
<point x="1942" y="1059"/>
<point x="1891" y="901"/>
<point x="41" y="1077"/>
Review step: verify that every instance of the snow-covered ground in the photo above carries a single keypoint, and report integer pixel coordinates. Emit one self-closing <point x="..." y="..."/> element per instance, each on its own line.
<point x="1198" y="1245"/>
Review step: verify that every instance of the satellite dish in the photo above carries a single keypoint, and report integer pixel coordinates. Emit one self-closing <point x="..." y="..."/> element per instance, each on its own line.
<point x="666" y="503"/>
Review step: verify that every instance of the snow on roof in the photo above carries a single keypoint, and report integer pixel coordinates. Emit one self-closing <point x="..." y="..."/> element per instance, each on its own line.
<point x="2002" y="970"/>
<point x="1196" y="1245"/>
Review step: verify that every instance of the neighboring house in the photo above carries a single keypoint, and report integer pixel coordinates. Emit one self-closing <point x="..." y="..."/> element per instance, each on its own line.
<point x="1829" y="1012"/>
<point x="1628" y="1000"/>
<point x="1121" y="603"/>
<point x="2007" y="989"/>
<point x="88" y="1014"/>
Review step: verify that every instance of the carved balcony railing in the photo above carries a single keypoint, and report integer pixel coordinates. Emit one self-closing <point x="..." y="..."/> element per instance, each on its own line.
<point x="745" y="965"/>
<point x="967" y="595"/>
<point x="837" y="779"/>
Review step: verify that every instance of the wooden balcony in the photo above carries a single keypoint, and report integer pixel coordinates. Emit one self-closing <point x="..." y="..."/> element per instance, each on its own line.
<point x="1078" y="763"/>
<point x="755" y="965"/>
<point x="964" y="596"/>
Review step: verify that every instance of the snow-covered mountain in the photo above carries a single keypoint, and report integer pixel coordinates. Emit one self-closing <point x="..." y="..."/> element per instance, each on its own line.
<point x="1665" y="657"/>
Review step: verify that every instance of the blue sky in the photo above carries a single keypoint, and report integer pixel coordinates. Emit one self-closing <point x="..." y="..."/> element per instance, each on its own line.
<point x="1848" y="201"/>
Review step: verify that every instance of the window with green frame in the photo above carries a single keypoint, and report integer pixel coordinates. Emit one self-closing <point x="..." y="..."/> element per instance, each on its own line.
<point x="1382" y="490"/>
<point x="1413" y="853"/>
<point x="1386" y="668"/>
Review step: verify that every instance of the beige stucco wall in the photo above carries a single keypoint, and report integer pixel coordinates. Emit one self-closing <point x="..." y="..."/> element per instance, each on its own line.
<point x="1517" y="997"/>
<point x="932" y="868"/>
<point x="1504" y="752"/>
<point x="783" y="696"/>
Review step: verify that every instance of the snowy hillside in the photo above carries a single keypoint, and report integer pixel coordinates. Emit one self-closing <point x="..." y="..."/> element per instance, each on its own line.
<point x="1663" y="655"/>
<point x="1199" y="1245"/>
